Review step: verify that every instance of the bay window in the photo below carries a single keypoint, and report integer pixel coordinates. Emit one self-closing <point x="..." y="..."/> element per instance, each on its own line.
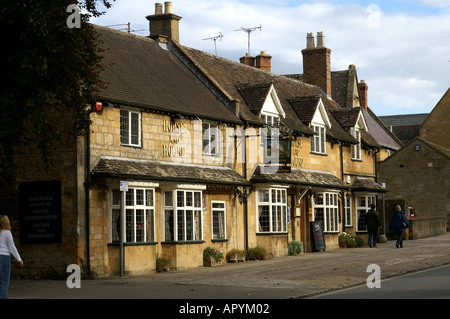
<point x="183" y="215"/>
<point x="326" y="209"/>
<point x="139" y="209"/>
<point x="272" y="210"/>
<point x="362" y="206"/>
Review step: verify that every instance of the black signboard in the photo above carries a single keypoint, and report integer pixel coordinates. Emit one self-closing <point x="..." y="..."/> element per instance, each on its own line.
<point x="318" y="239"/>
<point x="40" y="212"/>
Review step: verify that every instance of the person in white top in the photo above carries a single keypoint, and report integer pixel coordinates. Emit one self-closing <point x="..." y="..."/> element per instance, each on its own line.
<point x="7" y="248"/>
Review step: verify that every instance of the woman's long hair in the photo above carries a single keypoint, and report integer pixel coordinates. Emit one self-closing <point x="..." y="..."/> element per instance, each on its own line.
<point x="4" y="223"/>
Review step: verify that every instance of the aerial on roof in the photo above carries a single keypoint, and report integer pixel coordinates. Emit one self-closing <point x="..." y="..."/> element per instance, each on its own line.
<point x="140" y="73"/>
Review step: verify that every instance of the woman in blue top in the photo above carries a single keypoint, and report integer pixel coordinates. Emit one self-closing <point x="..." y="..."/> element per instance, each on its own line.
<point x="398" y="224"/>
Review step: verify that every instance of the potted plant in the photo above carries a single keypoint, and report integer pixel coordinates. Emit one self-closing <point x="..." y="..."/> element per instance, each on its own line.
<point x="235" y="255"/>
<point x="162" y="264"/>
<point x="212" y="257"/>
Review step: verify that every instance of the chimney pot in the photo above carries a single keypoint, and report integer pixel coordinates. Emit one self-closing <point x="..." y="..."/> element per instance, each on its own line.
<point x="168" y="7"/>
<point x="320" y="40"/>
<point x="310" y="41"/>
<point x="158" y="8"/>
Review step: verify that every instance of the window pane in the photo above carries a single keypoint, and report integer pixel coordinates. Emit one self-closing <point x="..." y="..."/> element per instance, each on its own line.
<point x="318" y="214"/>
<point x="135" y="128"/>
<point x="264" y="218"/>
<point x="115" y="197"/>
<point x="264" y="196"/>
<point x="189" y="225"/>
<point x="129" y="225"/>
<point x="180" y="198"/>
<point x="218" y="205"/>
<point x="129" y="197"/>
<point x="189" y="199"/>
<point x="168" y="199"/>
<point x="180" y="225"/>
<point x="140" y="225"/>
<point x="115" y="225"/>
<point x="124" y="127"/>
<point x="168" y="227"/>
<point x="139" y="197"/>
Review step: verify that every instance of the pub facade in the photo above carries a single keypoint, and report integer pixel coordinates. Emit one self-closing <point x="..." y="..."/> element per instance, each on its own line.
<point x="187" y="150"/>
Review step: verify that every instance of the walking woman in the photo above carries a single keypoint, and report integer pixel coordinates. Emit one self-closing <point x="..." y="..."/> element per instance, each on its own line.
<point x="7" y="248"/>
<point x="398" y="224"/>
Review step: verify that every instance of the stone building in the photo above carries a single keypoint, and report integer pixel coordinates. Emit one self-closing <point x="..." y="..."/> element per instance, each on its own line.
<point x="418" y="175"/>
<point x="196" y="151"/>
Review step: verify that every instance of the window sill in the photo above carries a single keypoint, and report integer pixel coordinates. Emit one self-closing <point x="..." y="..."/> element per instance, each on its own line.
<point x="356" y="160"/>
<point x="219" y="240"/>
<point x="131" y="146"/>
<point x="150" y="243"/>
<point x="271" y="233"/>
<point x="320" y="154"/>
<point x="183" y="242"/>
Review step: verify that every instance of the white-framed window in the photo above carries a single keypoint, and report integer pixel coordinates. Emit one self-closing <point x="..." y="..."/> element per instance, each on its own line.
<point x="272" y="210"/>
<point x="356" y="149"/>
<point x="130" y="128"/>
<point x="183" y="215"/>
<point x="271" y="120"/>
<point x="362" y="206"/>
<point x="326" y="209"/>
<point x="211" y="139"/>
<point x="318" y="141"/>
<point x="219" y="219"/>
<point x="139" y="208"/>
<point x="348" y="211"/>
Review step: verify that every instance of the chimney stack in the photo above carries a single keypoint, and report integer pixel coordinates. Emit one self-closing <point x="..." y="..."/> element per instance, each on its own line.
<point x="263" y="61"/>
<point x="164" y="24"/>
<point x="363" y="88"/>
<point x="316" y="63"/>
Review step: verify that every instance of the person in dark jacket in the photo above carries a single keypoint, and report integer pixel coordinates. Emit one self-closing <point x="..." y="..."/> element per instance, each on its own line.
<point x="398" y="224"/>
<point x="373" y="223"/>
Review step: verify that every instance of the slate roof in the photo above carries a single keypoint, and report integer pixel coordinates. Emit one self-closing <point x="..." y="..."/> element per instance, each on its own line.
<point x="140" y="73"/>
<point x="300" y="176"/>
<point x="365" y="184"/>
<point x="111" y="167"/>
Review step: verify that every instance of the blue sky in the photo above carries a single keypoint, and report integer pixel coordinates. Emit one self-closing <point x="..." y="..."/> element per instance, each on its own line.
<point x="401" y="48"/>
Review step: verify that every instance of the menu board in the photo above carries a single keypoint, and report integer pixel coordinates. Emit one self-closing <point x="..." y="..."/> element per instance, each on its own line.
<point x="318" y="239"/>
<point x="40" y="212"/>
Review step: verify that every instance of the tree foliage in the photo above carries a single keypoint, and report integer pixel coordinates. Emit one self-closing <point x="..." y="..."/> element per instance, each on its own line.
<point x="46" y="68"/>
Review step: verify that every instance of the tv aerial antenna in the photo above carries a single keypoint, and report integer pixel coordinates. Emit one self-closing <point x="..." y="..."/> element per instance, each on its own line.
<point x="220" y="36"/>
<point x="248" y="31"/>
<point x="127" y="28"/>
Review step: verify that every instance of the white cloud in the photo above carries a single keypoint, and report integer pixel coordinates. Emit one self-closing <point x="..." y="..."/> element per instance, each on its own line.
<point x="389" y="49"/>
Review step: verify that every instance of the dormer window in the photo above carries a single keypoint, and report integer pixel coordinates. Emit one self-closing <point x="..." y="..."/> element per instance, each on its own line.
<point x="319" y="141"/>
<point x="271" y="120"/>
<point x="356" y="149"/>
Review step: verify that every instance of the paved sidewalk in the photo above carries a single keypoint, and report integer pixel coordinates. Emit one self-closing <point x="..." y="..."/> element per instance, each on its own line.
<point x="285" y="277"/>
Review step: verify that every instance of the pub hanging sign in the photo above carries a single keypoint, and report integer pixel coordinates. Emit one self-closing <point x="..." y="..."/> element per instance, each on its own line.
<point x="40" y="212"/>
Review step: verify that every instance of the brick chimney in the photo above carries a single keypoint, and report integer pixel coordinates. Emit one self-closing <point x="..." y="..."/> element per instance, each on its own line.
<point x="263" y="61"/>
<point x="363" y="88"/>
<point x="247" y="60"/>
<point x="316" y="63"/>
<point x="164" y="24"/>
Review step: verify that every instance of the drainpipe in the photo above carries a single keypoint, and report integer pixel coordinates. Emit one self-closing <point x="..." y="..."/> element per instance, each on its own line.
<point x="343" y="193"/>
<point x="87" y="187"/>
